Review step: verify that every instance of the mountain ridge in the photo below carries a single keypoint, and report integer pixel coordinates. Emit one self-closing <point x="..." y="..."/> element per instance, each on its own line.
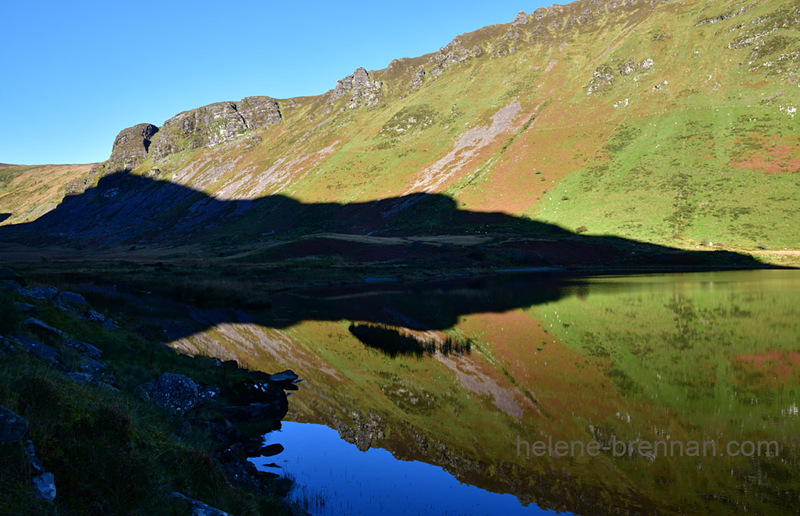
<point x="663" y="122"/>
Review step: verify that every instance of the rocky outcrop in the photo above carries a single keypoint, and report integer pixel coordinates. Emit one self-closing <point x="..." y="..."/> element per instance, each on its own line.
<point x="202" y="127"/>
<point x="452" y="54"/>
<point x="360" y="87"/>
<point x="259" y="112"/>
<point x="39" y="293"/>
<point x="214" y="124"/>
<point x="41" y="328"/>
<point x="130" y="147"/>
<point x="418" y="79"/>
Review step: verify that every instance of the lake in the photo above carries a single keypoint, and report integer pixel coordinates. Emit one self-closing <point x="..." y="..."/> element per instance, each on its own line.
<point x="533" y="393"/>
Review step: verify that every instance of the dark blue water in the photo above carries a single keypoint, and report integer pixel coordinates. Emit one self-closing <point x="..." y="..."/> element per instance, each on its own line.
<point x="333" y="477"/>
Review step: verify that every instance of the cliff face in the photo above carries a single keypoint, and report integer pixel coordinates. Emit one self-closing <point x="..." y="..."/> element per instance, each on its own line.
<point x="202" y="127"/>
<point x="214" y="124"/>
<point x="130" y="147"/>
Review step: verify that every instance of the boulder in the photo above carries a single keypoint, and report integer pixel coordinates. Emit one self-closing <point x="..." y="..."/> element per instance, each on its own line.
<point x="41" y="328"/>
<point x="70" y="301"/>
<point x="93" y="316"/>
<point x="39" y="293"/>
<point x="92" y="367"/>
<point x="84" y="348"/>
<point x="25" y="308"/>
<point x="175" y="391"/>
<point x="45" y="486"/>
<point x="42" y="351"/>
<point x="12" y="427"/>
<point x="284" y="376"/>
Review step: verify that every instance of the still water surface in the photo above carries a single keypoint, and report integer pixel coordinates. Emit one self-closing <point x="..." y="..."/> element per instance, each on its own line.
<point x="417" y="398"/>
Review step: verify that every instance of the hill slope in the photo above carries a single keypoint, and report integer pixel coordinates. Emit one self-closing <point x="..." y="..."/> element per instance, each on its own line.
<point x="664" y="122"/>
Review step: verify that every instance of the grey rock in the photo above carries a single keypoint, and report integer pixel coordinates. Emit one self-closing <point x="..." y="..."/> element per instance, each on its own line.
<point x="452" y="54"/>
<point x="213" y="124"/>
<point x="41" y="328"/>
<point x="418" y="79"/>
<point x="41" y="351"/>
<point x="284" y="376"/>
<point x="361" y="88"/>
<point x="84" y="348"/>
<point x="70" y="301"/>
<point x="93" y="367"/>
<point x="175" y="391"/>
<point x="25" y="308"/>
<point x="259" y="111"/>
<point x="199" y="508"/>
<point x="93" y="316"/>
<point x="39" y="293"/>
<point x="12" y="427"/>
<point x="130" y="148"/>
<point x="45" y="485"/>
<point x="35" y="463"/>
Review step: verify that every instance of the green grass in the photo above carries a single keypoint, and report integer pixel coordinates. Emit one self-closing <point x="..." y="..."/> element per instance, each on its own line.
<point x="111" y="452"/>
<point x="672" y="178"/>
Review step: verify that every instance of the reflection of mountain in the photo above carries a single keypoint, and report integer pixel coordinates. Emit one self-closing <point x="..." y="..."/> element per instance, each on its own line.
<point x="130" y="210"/>
<point x="588" y="360"/>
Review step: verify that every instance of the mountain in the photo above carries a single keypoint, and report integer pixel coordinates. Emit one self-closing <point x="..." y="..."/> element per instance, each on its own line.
<point x="669" y="123"/>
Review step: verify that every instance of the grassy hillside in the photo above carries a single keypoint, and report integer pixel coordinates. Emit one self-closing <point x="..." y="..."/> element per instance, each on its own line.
<point x="670" y="123"/>
<point x="27" y="192"/>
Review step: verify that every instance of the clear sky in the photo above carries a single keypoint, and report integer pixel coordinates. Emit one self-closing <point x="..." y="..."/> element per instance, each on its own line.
<point x="76" y="73"/>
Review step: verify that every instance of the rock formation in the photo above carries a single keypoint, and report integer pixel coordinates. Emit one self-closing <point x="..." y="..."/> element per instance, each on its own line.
<point x="361" y="88"/>
<point x="130" y="147"/>
<point x="214" y="124"/>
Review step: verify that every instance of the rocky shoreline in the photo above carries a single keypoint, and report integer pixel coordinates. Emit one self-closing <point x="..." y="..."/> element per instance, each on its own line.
<point x="223" y="409"/>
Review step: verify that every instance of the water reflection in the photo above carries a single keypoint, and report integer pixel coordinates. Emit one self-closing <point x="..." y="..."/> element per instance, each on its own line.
<point x="654" y="358"/>
<point x="330" y="479"/>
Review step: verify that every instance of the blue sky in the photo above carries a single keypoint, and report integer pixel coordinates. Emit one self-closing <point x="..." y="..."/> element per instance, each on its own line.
<point x="76" y="73"/>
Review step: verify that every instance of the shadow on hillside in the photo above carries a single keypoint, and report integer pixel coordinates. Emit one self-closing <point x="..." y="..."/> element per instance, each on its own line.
<point x="129" y="210"/>
<point x="4" y="216"/>
<point x="135" y="212"/>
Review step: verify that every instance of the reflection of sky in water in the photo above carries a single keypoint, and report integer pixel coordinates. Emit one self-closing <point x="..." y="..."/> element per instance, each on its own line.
<point x="335" y="478"/>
